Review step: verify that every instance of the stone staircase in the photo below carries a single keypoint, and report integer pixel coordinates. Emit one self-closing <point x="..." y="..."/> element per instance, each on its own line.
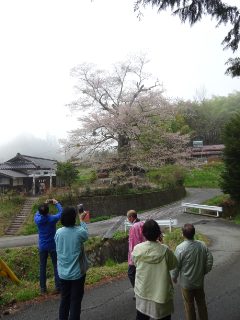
<point x="21" y="217"/>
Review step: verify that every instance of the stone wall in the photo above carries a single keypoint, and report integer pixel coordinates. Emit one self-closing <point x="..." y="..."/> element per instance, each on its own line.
<point x="116" y="250"/>
<point x="120" y="204"/>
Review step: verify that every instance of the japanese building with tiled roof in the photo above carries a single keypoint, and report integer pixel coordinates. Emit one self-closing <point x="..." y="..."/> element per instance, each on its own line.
<point x="25" y="173"/>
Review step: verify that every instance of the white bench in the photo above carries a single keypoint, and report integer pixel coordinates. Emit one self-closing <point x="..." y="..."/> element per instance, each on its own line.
<point x="168" y="222"/>
<point x="201" y="207"/>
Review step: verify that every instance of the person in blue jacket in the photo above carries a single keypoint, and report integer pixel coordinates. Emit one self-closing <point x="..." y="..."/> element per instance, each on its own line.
<point x="46" y="224"/>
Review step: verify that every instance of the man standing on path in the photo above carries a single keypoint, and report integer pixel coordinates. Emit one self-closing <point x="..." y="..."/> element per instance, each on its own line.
<point x="194" y="262"/>
<point x="46" y="224"/>
<point x="135" y="237"/>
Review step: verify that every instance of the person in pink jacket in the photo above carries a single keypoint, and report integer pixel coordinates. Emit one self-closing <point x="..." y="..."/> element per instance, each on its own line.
<point x="135" y="237"/>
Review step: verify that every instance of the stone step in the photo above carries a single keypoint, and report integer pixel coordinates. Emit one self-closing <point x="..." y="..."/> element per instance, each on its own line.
<point x="21" y="217"/>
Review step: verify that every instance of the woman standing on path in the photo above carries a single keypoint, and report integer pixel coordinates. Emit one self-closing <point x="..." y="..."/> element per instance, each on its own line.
<point x="153" y="285"/>
<point x="69" y="245"/>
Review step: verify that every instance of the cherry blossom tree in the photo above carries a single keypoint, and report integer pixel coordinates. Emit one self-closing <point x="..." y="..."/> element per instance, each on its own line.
<point x="124" y="112"/>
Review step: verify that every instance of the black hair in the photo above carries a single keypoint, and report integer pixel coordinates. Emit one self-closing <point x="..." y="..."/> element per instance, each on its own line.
<point x="151" y="230"/>
<point x="188" y="231"/>
<point x="43" y="209"/>
<point x="80" y="208"/>
<point x="68" y="218"/>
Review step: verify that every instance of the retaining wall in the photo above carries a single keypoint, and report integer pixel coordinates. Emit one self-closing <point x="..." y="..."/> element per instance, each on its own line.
<point x="116" y="250"/>
<point x="120" y="204"/>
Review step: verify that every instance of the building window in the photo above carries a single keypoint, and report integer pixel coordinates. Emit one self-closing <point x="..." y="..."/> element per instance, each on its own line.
<point x="17" y="182"/>
<point x="4" y="181"/>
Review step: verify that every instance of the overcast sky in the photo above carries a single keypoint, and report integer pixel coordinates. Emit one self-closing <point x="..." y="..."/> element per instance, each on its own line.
<point x="41" y="40"/>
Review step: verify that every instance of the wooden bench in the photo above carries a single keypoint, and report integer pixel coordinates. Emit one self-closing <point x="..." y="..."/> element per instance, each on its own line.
<point x="201" y="207"/>
<point x="167" y="223"/>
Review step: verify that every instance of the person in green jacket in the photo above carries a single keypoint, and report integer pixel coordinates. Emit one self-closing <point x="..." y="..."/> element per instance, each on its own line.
<point x="153" y="285"/>
<point x="194" y="262"/>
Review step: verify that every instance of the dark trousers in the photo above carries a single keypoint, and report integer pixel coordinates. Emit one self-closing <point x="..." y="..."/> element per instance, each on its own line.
<point x="43" y="255"/>
<point x="132" y="274"/>
<point x="197" y="295"/>
<point x="72" y="292"/>
<point x="141" y="316"/>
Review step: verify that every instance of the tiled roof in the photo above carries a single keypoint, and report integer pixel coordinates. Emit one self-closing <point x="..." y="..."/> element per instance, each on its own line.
<point x="213" y="147"/>
<point x="14" y="166"/>
<point x="28" y="162"/>
<point x="216" y="149"/>
<point x="13" y="174"/>
<point x="42" y="162"/>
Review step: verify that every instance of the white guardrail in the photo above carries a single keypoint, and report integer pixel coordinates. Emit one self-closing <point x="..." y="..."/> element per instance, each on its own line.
<point x="201" y="207"/>
<point x="168" y="223"/>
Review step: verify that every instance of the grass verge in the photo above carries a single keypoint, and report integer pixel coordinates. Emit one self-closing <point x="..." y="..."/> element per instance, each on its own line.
<point x="207" y="176"/>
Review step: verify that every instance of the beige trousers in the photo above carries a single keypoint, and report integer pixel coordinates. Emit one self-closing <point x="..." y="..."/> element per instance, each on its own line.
<point x="198" y="296"/>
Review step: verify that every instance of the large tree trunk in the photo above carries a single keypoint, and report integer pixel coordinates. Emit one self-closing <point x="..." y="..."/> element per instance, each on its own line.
<point x="123" y="146"/>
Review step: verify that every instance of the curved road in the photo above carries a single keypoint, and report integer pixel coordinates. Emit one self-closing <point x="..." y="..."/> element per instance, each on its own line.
<point x="113" y="300"/>
<point x="99" y="228"/>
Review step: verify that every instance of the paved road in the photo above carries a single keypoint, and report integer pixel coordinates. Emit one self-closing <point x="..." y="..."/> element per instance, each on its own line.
<point x="113" y="300"/>
<point x="99" y="228"/>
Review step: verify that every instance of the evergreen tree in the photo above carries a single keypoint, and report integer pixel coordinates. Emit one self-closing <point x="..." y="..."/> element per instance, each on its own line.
<point x="231" y="176"/>
<point x="67" y="172"/>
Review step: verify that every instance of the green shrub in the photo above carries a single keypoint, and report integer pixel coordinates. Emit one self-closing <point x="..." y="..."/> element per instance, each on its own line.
<point x="86" y="176"/>
<point x="118" y="235"/>
<point x="168" y="176"/>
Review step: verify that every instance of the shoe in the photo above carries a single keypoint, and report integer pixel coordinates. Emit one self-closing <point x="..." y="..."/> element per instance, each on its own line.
<point x="57" y="291"/>
<point x="43" y="291"/>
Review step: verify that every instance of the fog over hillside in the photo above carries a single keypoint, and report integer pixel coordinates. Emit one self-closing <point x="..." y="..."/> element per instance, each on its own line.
<point x="33" y="146"/>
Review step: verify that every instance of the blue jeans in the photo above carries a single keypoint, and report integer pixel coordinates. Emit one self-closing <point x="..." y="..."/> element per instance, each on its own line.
<point x="72" y="292"/>
<point x="43" y="255"/>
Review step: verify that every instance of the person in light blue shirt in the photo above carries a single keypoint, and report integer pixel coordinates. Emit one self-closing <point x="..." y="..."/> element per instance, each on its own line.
<point x="46" y="224"/>
<point x="69" y="246"/>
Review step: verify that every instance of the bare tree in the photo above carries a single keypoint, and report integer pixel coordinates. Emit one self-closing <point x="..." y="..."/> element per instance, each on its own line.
<point x="116" y="109"/>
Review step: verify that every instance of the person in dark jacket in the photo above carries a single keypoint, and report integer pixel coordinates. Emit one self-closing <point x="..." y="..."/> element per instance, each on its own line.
<point x="46" y="224"/>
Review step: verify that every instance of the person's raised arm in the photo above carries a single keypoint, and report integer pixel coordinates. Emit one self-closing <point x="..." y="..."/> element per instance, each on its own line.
<point x="58" y="205"/>
<point x="83" y="226"/>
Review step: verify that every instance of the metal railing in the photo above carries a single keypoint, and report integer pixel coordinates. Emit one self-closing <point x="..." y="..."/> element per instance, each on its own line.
<point x="167" y="222"/>
<point x="201" y="207"/>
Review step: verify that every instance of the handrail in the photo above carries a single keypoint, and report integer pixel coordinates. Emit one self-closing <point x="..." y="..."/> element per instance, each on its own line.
<point x="167" y="222"/>
<point x="202" y="207"/>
